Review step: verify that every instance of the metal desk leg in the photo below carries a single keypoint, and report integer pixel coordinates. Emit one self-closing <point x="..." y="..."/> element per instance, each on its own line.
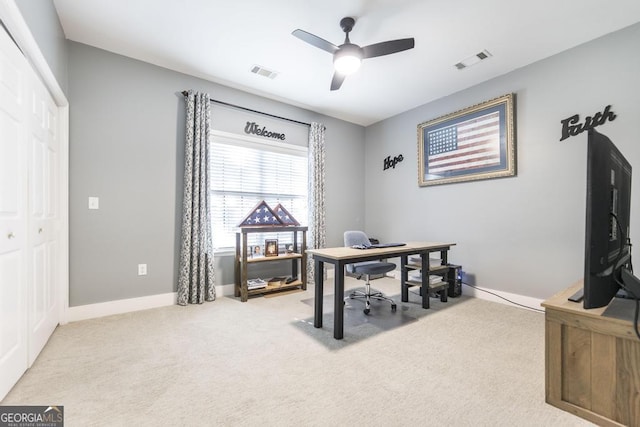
<point x="424" y="288"/>
<point x="338" y="303"/>
<point x="404" y="276"/>
<point x="319" y="279"/>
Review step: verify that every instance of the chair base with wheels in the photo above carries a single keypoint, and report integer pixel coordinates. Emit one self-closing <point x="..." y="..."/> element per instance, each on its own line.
<point x="367" y="268"/>
<point x="367" y="295"/>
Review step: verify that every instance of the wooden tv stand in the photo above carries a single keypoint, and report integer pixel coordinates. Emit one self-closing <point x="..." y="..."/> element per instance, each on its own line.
<point x="592" y="360"/>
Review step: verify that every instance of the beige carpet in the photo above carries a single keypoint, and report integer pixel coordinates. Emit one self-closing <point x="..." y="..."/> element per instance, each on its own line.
<point x="468" y="362"/>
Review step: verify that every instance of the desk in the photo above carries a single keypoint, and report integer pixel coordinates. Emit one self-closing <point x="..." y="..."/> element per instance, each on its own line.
<point x="592" y="360"/>
<point x="341" y="256"/>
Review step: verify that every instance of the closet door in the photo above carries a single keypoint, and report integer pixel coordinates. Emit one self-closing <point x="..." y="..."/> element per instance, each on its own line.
<point x="13" y="215"/>
<point x="43" y="162"/>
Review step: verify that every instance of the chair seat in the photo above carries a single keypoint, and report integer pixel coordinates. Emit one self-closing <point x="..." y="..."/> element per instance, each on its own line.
<point x="367" y="268"/>
<point x="371" y="267"/>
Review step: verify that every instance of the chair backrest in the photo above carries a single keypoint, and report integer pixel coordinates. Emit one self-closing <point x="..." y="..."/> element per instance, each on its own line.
<point x="356" y="237"/>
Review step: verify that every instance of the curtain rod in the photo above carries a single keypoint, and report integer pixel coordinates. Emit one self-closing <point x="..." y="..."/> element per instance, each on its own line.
<point x="185" y="93"/>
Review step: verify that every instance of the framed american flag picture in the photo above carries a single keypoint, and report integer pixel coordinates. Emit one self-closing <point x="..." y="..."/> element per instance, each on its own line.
<point x="471" y="144"/>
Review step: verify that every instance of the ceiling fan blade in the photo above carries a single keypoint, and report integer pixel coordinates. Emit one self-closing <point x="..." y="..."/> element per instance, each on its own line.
<point x="386" y="48"/>
<point x="337" y="80"/>
<point x="315" y="41"/>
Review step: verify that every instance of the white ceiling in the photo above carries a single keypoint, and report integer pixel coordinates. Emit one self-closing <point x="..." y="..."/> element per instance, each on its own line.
<point x="220" y="41"/>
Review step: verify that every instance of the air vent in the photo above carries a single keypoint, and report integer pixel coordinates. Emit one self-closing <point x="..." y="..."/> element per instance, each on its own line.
<point x="261" y="71"/>
<point x="472" y="60"/>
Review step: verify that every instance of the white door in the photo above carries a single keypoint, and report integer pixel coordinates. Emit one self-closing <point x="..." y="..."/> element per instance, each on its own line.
<point x="30" y="225"/>
<point x="43" y="162"/>
<point x="13" y="216"/>
<point x="42" y="306"/>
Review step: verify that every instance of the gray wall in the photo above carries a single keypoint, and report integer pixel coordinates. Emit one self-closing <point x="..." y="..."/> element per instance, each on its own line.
<point x="523" y="235"/>
<point x="126" y="142"/>
<point x="42" y="19"/>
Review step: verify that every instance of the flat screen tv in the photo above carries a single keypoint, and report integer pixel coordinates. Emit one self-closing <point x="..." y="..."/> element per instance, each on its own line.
<point x="607" y="246"/>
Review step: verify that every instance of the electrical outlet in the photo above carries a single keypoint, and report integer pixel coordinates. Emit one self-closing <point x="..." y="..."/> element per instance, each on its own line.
<point x="142" y="269"/>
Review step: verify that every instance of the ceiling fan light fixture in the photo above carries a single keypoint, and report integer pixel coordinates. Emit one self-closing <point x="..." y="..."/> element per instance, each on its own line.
<point x="347" y="60"/>
<point x="348" y="56"/>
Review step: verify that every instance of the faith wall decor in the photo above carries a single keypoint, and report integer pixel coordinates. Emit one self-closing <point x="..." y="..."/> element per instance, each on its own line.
<point x="570" y="126"/>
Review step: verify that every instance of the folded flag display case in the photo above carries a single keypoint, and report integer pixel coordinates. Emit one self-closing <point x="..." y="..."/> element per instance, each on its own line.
<point x="262" y="215"/>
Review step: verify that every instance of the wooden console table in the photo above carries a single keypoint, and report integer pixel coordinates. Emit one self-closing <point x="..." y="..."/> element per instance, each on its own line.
<point x="592" y="360"/>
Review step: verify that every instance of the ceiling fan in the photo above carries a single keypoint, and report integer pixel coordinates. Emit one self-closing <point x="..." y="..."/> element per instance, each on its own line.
<point x="348" y="56"/>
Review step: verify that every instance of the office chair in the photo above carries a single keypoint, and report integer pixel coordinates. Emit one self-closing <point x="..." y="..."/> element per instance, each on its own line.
<point x="367" y="268"/>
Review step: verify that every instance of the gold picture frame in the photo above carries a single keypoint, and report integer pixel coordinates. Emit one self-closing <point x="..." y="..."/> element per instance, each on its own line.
<point x="475" y="143"/>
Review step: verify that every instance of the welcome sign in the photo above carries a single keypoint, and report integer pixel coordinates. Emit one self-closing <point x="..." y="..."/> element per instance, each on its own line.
<point x="246" y="123"/>
<point x="252" y="128"/>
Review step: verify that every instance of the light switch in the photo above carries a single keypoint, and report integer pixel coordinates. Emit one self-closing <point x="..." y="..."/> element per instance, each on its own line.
<point x="142" y="269"/>
<point x="94" y="203"/>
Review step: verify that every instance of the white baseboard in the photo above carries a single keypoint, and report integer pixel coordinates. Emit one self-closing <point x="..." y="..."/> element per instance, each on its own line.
<point x="524" y="301"/>
<point x="527" y="302"/>
<point x="91" y="311"/>
<point x="225" y="290"/>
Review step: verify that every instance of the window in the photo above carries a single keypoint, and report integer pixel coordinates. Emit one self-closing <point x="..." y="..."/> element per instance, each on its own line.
<point x="245" y="171"/>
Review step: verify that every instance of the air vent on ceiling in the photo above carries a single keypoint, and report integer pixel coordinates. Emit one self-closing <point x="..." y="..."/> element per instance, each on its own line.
<point x="472" y="60"/>
<point x="261" y="71"/>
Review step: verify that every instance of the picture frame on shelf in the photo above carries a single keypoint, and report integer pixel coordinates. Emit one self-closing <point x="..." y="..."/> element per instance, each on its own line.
<point x="256" y="251"/>
<point x="475" y="143"/>
<point x="271" y="247"/>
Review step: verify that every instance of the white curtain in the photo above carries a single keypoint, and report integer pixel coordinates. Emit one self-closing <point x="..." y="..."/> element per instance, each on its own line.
<point x="196" y="277"/>
<point x="317" y="210"/>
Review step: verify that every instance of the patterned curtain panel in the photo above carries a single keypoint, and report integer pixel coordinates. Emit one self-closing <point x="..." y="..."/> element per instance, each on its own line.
<point x="317" y="210"/>
<point x="196" y="279"/>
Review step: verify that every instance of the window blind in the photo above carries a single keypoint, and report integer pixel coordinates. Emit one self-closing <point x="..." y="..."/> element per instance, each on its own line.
<point x="243" y="173"/>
